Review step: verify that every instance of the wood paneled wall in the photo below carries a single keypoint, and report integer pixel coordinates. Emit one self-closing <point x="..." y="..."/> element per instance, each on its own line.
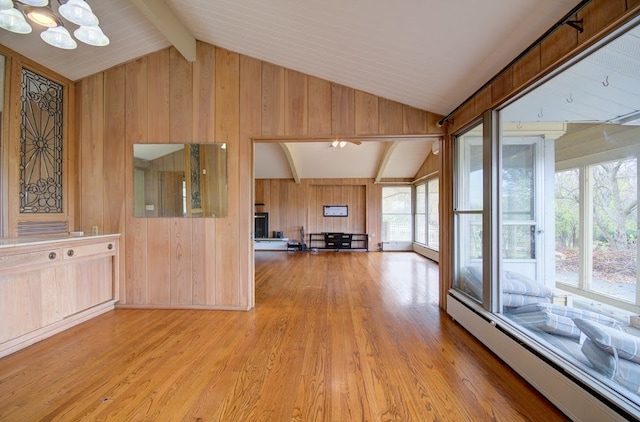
<point x="430" y="166"/>
<point x="221" y="97"/>
<point x="294" y="205"/>
<point x="599" y="17"/>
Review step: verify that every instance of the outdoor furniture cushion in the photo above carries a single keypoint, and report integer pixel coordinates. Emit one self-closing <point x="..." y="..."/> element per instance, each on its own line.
<point x="612" y="340"/>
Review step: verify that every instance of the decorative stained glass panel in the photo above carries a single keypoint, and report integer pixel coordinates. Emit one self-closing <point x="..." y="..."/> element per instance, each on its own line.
<point x="40" y="145"/>
<point x="196" y="194"/>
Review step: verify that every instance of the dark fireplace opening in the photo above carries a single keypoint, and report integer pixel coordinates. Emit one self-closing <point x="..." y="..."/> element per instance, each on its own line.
<point x="261" y="225"/>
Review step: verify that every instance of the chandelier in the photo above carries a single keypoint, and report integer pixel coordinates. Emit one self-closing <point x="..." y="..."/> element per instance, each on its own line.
<point x="13" y="17"/>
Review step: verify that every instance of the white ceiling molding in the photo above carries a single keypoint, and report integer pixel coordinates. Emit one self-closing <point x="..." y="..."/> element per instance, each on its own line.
<point x="386" y="156"/>
<point x="292" y="164"/>
<point x="163" y="18"/>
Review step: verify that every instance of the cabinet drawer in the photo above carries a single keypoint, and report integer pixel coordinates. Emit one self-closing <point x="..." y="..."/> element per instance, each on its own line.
<point x="345" y="245"/>
<point x="87" y="250"/>
<point x="30" y="258"/>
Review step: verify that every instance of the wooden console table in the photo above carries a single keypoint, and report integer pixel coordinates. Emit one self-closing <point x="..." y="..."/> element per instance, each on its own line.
<point x="339" y="241"/>
<point x="50" y="284"/>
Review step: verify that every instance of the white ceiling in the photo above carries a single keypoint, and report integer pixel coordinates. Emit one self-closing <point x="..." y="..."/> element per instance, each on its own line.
<point x="430" y="54"/>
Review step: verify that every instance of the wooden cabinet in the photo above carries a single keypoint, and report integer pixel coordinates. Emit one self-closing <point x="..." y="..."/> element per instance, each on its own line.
<point x="48" y="285"/>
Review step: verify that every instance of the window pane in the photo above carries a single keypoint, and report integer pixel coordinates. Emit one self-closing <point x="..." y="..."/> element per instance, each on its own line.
<point x="615" y="229"/>
<point x="421" y="199"/>
<point x="396" y="228"/>
<point x="433" y="217"/>
<point x="517" y="195"/>
<point x="567" y="218"/>
<point x="569" y="214"/>
<point x="396" y="200"/>
<point x="468" y="212"/>
<point x="421" y="229"/>
<point x="518" y="241"/>
<point x="469" y="251"/>
<point x="396" y="213"/>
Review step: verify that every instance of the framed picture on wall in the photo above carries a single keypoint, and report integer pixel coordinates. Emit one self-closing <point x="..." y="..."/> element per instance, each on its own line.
<point x="335" y="211"/>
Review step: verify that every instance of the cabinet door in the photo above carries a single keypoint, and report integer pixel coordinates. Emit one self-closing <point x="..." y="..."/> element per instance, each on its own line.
<point x="89" y="282"/>
<point x="30" y="300"/>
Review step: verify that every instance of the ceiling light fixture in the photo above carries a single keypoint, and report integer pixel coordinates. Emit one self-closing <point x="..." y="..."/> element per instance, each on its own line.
<point x="336" y="144"/>
<point x="58" y="36"/>
<point x="42" y="16"/>
<point x="39" y="12"/>
<point x="12" y="20"/>
<point x="6" y="4"/>
<point x="435" y="147"/>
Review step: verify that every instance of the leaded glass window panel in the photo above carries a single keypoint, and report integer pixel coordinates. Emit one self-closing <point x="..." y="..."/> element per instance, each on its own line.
<point x="40" y="145"/>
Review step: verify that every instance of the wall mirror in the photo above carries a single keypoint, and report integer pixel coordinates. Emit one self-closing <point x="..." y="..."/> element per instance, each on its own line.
<point x="180" y="180"/>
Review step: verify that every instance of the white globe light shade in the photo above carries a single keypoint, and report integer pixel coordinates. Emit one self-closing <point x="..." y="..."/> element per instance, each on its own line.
<point x="78" y="12"/>
<point x="14" y="21"/>
<point x="6" y="4"/>
<point x="59" y="37"/>
<point x="38" y="3"/>
<point x="91" y="35"/>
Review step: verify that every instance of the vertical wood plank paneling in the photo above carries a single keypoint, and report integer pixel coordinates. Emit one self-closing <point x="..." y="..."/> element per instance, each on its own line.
<point x="178" y="285"/>
<point x="203" y="229"/>
<point x="136" y="131"/>
<point x="366" y="113"/>
<point x="227" y="130"/>
<point x="272" y="99"/>
<point x="180" y="98"/>
<point x="159" y="261"/>
<point x="301" y="217"/>
<point x="319" y="106"/>
<point x="597" y="14"/>
<point x="432" y="123"/>
<point x="91" y="153"/>
<point x="373" y="213"/>
<point x="158" y="96"/>
<point x="414" y="121"/>
<point x="296" y="103"/>
<point x="204" y="73"/>
<point x="114" y="150"/>
<point x="275" y="209"/>
<point x="483" y="99"/>
<point x="527" y="68"/>
<point x="342" y="110"/>
<point x="250" y="125"/>
<point x="502" y="86"/>
<point x="13" y="143"/>
<point x="181" y="262"/>
<point x="390" y="117"/>
<point x="71" y="155"/>
<point x="259" y="193"/>
<point x="558" y="45"/>
<point x="464" y="115"/>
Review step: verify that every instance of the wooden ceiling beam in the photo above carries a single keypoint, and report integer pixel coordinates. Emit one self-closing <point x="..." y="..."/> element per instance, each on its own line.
<point x="163" y="18"/>
<point x="384" y="161"/>
<point x="292" y="164"/>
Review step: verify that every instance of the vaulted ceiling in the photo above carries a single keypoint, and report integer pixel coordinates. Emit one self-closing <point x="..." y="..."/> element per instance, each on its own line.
<point x="429" y="54"/>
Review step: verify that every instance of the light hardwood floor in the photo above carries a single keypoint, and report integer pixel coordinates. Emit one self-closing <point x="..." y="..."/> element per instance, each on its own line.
<point x="334" y="337"/>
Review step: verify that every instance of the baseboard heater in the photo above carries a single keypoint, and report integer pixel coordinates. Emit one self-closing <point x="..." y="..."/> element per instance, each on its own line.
<point x="571" y="396"/>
